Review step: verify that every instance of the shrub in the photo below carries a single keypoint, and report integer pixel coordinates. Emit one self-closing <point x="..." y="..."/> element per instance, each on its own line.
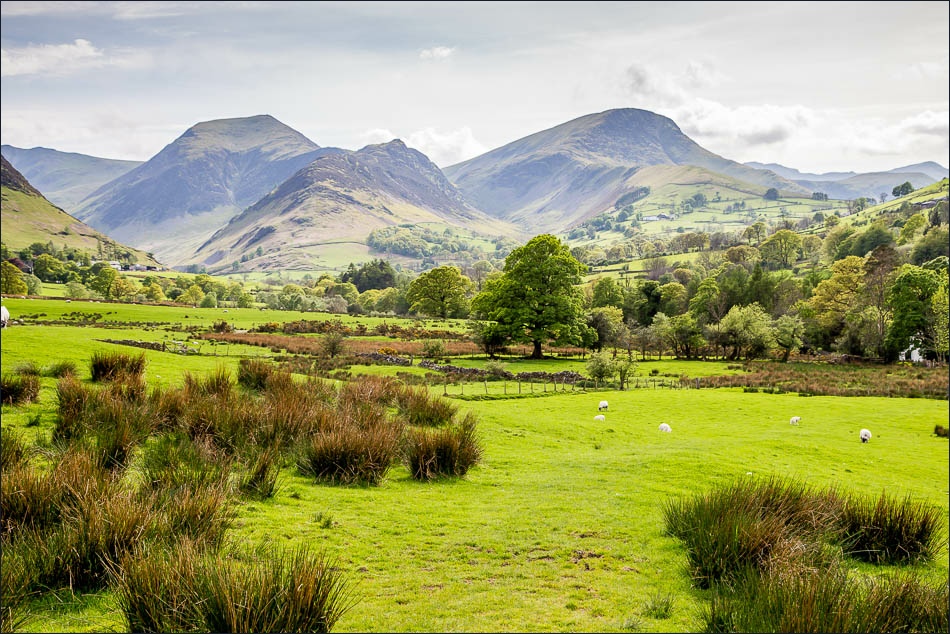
<point x="107" y="366"/>
<point x="253" y="373"/>
<point x="435" y="453"/>
<point x="348" y="453"/>
<point x="890" y="531"/>
<point x="332" y="343"/>
<point x="19" y="389"/>
<point x="433" y="349"/>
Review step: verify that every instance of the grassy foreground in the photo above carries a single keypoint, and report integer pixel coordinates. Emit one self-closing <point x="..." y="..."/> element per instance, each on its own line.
<point x="561" y="525"/>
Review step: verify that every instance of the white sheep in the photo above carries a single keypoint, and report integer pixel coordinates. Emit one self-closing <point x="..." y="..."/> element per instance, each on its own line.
<point x="665" y="428"/>
<point x="4" y="316"/>
<point x="602" y="407"/>
<point x="865" y="435"/>
<point x="795" y="420"/>
<point x="600" y="417"/>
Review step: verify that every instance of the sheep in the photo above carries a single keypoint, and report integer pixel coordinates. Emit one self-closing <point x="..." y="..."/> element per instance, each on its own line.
<point x="602" y="407"/>
<point x="4" y="316"/>
<point x="665" y="428"/>
<point x="865" y="435"/>
<point x="600" y="417"/>
<point x="795" y="420"/>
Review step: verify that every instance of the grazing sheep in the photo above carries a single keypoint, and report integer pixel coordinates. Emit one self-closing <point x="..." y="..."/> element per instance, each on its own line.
<point x="865" y="435"/>
<point x="795" y="420"/>
<point x="600" y="417"/>
<point x="602" y="407"/>
<point x="665" y="428"/>
<point x="4" y="316"/>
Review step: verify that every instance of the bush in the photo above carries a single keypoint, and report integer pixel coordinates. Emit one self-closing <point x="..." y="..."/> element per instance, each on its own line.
<point x="108" y="366"/>
<point x="433" y="349"/>
<point x="19" y="389"/>
<point x="435" y="453"/>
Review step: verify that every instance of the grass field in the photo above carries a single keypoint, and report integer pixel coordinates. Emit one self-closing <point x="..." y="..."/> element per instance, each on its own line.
<point x="560" y="528"/>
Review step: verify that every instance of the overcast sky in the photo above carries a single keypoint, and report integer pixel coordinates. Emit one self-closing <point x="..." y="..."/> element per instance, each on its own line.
<point x="817" y="86"/>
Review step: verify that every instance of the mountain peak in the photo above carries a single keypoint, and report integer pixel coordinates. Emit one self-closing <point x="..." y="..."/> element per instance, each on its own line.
<point x="10" y="177"/>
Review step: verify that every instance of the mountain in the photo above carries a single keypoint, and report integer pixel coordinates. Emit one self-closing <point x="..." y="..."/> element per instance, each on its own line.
<point x="337" y="200"/>
<point x="26" y="216"/>
<point x="557" y="178"/>
<point x="851" y="185"/>
<point x="65" y="178"/>
<point x="173" y="202"/>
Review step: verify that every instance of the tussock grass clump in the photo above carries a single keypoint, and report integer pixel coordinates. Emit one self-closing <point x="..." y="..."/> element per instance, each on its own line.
<point x="15" y="583"/>
<point x="201" y="513"/>
<point x="422" y="408"/>
<point x="889" y="531"/>
<point x="827" y="601"/>
<point x="173" y="461"/>
<point x="217" y="383"/>
<point x="107" y="366"/>
<point x="19" y="389"/>
<point x="27" y="368"/>
<point x="743" y="526"/>
<point x="445" y="452"/>
<point x="12" y="449"/>
<point x="253" y="373"/>
<point x="74" y="399"/>
<point x="260" y="479"/>
<point x="191" y="590"/>
<point x="59" y="369"/>
<point x="348" y="453"/>
<point x="29" y="498"/>
<point x="369" y="389"/>
<point x="659" y="605"/>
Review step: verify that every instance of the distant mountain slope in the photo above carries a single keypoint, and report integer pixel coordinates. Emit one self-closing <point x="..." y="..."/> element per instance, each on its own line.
<point x="27" y="217"/>
<point x="341" y="198"/>
<point x="196" y="184"/>
<point x="65" y="178"/>
<point x="851" y="185"/>
<point x="553" y="179"/>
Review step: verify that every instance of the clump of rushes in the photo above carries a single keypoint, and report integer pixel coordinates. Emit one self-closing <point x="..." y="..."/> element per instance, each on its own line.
<point x="420" y="407"/>
<point x="106" y="366"/>
<point x="450" y="451"/>
<point x="347" y="453"/>
<point x="12" y="449"/>
<point x="27" y="368"/>
<point x="253" y="373"/>
<point x="889" y="531"/>
<point x="59" y="369"/>
<point x="260" y="479"/>
<point x="218" y="383"/>
<point x="19" y="389"/>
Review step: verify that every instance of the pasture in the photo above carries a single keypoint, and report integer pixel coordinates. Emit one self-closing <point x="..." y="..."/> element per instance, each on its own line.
<point x="560" y="527"/>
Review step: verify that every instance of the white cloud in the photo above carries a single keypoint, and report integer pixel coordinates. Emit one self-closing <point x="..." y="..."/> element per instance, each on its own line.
<point x="442" y="148"/>
<point x="436" y="52"/>
<point x="63" y="59"/>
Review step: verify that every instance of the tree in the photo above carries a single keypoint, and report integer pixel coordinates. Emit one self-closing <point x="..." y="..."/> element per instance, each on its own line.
<point x="607" y="323"/>
<point x="192" y="296"/>
<point x="747" y="330"/>
<point x="49" y="269"/>
<point x="154" y="293"/>
<point x="932" y="245"/>
<point x="123" y="288"/>
<point x="102" y="282"/>
<point x="210" y="300"/>
<point x="606" y="293"/>
<point x="940" y="307"/>
<point x="600" y="366"/>
<point x="771" y="194"/>
<point x="681" y="333"/>
<point x="536" y="299"/>
<point x="902" y="190"/>
<point x="789" y="330"/>
<point x="378" y="274"/>
<point x="911" y="299"/>
<point x="11" y="280"/>
<point x="835" y="296"/>
<point x="781" y="247"/>
<point x="439" y="292"/>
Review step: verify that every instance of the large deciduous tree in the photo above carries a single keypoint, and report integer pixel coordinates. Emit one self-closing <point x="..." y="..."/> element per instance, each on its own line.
<point x="537" y="299"/>
<point x="440" y="292"/>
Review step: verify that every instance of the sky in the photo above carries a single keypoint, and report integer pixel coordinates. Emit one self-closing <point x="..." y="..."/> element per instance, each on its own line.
<point x="815" y="86"/>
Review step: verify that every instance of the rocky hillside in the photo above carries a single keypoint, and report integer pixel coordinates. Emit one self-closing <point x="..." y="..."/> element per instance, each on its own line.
<point x="339" y="199"/>
<point x="172" y="203"/>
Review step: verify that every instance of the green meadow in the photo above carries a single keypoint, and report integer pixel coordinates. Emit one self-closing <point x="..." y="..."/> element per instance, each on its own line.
<point x="560" y="527"/>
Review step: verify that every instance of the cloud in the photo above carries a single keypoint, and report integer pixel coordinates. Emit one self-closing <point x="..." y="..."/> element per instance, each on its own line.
<point x="436" y="53"/>
<point x="927" y="123"/>
<point x="63" y="59"/>
<point x="442" y="148"/>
